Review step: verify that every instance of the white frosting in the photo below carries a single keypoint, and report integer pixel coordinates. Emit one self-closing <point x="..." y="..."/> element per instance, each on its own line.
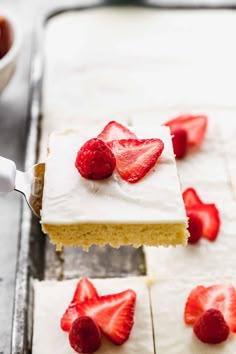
<point x="119" y="62"/>
<point x="205" y="170"/>
<point x="211" y="171"/>
<point x="172" y="335"/>
<point x="69" y="198"/>
<point x="145" y="67"/>
<point x="214" y="173"/>
<point x="52" y="298"/>
<point x="168" y="298"/>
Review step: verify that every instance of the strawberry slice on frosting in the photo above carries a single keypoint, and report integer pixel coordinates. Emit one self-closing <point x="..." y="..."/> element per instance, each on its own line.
<point x="221" y="297"/>
<point x="187" y="130"/>
<point x="207" y="212"/>
<point x="113" y="314"/>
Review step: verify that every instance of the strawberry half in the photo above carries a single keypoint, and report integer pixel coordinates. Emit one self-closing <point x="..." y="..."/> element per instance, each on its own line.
<point x="195" y="227"/>
<point x="221" y="297"/>
<point x="208" y="213"/>
<point x="180" y="142"/>
<point x="84" y="291"/>
<point x="115" y="131"/>
<point x="114" y="314"/>
<point x="135" y="157"/>
<point x="195" y="126"/>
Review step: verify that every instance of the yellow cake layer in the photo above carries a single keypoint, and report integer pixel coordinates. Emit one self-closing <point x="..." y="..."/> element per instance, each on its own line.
<point x="116" y="235"/>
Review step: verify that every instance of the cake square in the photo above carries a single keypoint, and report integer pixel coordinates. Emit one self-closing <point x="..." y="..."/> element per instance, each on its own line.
<point x="212" y="181"/>
<point x="204" y="257"/>
<point x="172" y="335"/>
<point x="51" y="298"/>
<point x="81" y="212"/>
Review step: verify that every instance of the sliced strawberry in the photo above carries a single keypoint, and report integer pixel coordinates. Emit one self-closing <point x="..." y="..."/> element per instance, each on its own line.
<point x="114" y="314"/>
<point x="195" y="305"/>
<point x="191" y="198"/>
<point x="195" y="125"/>
<point x="115" y="131"/>
<point x="85" y="290"/>
<point x="221" y="297"/>
<point x="68" y="318"/>
<point x="208" y="213"/>
<point x="134" y="157"/>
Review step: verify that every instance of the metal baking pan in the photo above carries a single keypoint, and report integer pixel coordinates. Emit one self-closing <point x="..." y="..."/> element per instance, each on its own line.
<point x="37" y="258"/>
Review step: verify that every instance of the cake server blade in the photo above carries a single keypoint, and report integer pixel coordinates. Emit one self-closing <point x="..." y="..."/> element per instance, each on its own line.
<point x="29" y="183"/>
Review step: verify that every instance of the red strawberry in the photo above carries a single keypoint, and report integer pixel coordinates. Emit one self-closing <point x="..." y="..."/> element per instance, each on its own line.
<point x="208" y="213"/>
<point x="135" y="158"/>
<point x="191" y="198"/>
<point x="195" y="305"/>
<point x="114" y="314"/>
<point x="180" y="142"/>
<point x="115" y="131"/>
<point x="68" y="318"/>
<point x="195" y="126"/>
<point x="95" y="160"/>
<point x="221" y="297"/>
<point x="85" y="335"/>
<point x="211" y="327"/>
<point x="84" y="291"/>
<point x="195" y="227"/>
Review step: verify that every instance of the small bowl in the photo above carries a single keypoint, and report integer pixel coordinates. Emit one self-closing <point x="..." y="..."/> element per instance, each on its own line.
<point x="9" y="51"/>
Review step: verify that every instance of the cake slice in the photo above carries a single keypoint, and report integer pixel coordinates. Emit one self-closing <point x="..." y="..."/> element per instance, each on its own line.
<point x="81" y="212"/>
<point x="213" y="186"/>
<point x="51" y="298"/>
<point x="210" y="258"/>
<point x="172" y="335"/>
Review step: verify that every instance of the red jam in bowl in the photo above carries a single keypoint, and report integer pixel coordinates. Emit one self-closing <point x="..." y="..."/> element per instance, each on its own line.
<point x="6" y="36"/>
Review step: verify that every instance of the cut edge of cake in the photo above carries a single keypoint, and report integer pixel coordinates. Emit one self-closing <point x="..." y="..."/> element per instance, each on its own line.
<point x="85" y="235"/>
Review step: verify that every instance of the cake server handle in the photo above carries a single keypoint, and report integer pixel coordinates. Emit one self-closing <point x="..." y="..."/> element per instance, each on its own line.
<point x="7" y="175"/>
<point x="29" y="183"/>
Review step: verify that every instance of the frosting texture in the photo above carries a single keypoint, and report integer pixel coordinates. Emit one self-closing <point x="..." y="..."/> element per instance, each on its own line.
<point x="69" y="198"/>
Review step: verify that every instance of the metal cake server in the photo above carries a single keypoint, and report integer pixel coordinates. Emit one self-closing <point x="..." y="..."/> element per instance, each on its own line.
<point x="29" y="183"/>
